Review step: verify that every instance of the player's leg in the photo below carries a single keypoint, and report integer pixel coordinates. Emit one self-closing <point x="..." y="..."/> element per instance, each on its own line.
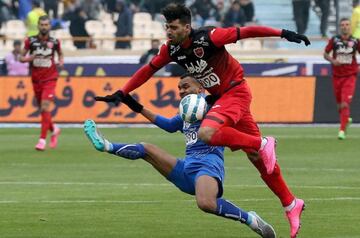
<point x="158" y="158"/>
<point x="207" y="191"/>
<point x="337" y="88"/>
<point x="275" y="181"/>
<point x="347" y="92"/>
<point x="219" y="127"/>
<point x="49" y="94"/>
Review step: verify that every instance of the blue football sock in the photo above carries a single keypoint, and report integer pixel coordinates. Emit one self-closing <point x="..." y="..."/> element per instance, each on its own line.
<point x="128" y="151"/>
<point x="228" y="210"/>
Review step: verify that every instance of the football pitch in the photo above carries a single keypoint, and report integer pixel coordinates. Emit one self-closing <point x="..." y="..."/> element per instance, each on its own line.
<point x="75" y="191"/>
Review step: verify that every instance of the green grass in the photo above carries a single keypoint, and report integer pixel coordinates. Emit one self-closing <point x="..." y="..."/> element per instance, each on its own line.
<point x="75" y="191"/>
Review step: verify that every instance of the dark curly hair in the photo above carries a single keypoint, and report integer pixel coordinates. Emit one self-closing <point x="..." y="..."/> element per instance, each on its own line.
<point x="174" y="11"/>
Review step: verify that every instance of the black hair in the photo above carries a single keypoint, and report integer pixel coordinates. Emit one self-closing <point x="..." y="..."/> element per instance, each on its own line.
<point x="44" y="18"/>
<point x="36" y="3"/>
<point x="174" y="11"/>
<point x="344" y="19"/>
<point x="17" y="42"/>
<point x="185" y="75"/>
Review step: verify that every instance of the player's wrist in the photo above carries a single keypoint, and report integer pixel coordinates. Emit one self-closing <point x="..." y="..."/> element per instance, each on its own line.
<point x="133" y="104"/>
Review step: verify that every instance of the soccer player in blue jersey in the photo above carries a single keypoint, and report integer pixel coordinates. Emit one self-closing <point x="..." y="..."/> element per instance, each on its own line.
<point x="200" y="173"/>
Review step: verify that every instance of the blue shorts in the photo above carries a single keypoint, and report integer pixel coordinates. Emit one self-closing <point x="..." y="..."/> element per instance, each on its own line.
<point x="188" y="170"/>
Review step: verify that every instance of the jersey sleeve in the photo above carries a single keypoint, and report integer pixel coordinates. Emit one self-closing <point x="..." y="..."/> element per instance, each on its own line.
<point x="258" y="31"/>
<point x="330" y="46"/>
<point x="223" y="36"/>
<point x="169" y="124"/>
<point x="162" y="58"/>
<point x="27" y="43"/>
<point x="58" y="48"/>
<point x="146" y="71"/>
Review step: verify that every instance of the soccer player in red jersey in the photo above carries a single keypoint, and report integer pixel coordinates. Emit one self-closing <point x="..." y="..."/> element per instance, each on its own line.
<point x="344" y="71"/>
<point x="44" y="75"/>
<point x="229" y="122"/>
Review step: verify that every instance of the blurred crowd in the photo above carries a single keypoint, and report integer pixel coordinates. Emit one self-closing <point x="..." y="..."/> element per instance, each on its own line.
<point x="74" y="13"/>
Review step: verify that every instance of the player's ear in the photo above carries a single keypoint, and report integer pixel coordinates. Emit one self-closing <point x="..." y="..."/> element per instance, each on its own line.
<point x="188" y="28"/>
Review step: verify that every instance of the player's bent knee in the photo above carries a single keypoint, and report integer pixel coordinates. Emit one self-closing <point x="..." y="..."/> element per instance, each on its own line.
<point x="45" y="106"/>
<point x="206" y="204"/>
<point x="205" y="134"/>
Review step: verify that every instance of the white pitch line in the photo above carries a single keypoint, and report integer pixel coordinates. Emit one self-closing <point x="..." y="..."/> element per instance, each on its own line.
<point x="39" y="183"/>
<point x="340" y="170"/>
<point x="169" y="201"/>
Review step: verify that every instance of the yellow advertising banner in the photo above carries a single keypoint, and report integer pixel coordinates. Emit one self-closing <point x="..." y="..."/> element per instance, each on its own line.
<point x="275" y="99"/>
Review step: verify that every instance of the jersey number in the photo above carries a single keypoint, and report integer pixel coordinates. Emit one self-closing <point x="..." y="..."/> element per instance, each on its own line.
<point x="209" y="80"/>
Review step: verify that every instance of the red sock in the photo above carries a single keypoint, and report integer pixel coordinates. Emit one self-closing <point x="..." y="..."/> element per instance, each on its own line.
<point x="275" y="182"/>
<point x="344" y="117"/>
<point x="45" y="124"/>
<point x="235" y="140"/>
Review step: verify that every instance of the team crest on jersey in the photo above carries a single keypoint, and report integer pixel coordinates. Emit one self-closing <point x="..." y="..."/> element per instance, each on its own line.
<point x="199" y="52"/>
<point x="50" y="45"/>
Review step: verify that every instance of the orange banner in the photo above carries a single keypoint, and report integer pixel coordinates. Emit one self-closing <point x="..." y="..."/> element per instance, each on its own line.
<point x="283" y="99"/>
<point x="75" y="103"/>
<point x="275" y="99"/>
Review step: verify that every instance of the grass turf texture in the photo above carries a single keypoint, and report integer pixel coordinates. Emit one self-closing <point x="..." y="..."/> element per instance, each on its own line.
<point x="75" y="191"/>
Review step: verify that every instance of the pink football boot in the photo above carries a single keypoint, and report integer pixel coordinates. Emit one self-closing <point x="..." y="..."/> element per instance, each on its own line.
<point x="41" y="145"/>
<point x="294" y="216"/>
<point x="268" y="154"/>
<point x="54" y="137"/>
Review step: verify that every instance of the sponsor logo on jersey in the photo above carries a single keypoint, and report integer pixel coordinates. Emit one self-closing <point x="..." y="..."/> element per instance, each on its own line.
<point x="50" y="44"/>
<point x="199" y="52"/>
<point x="174" y="49"/>
<point x="199" y="67"/>
<point x="201" y="41"/>
<point x="42" y="51"/>
<point x="344" y="50"/>
<point x="181" y="57"/>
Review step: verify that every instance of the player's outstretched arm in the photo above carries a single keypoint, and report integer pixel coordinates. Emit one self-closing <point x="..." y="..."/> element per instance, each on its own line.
<point x="167" y="124"/>
<point x="223" y="36"/>
<point x="264" y="31"/>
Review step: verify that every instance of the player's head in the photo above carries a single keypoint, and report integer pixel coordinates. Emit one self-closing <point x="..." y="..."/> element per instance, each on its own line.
<point x="178" y="22"/>
<point x="17" y="46"/>
<point x="345" y="26"/>
<point x="189" y="85"/>
<point x="44" y="25"/>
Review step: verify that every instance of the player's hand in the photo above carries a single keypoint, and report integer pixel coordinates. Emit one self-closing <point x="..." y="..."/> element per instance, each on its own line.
<point x="294" y="37"/>
<point x="115" y="98"/>
<point x="132" y="103"/>
<point x="335" y="62"/>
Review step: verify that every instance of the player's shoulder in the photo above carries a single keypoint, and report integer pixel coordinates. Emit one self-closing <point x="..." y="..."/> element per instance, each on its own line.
<point x="31" y="39"/>
<point x="353" y="39"/>
<point x="54" y="40"/>
<point x="196" y="33"/>
<point x="336" y="38"/>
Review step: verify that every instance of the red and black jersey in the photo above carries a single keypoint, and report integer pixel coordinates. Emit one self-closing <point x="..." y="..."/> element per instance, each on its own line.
<point x="344" y="50"/>
<point x="43" y="66"/>
<point x="204" y="56"/>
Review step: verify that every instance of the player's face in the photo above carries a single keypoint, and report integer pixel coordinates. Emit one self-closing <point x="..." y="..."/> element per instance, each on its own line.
<point x="177" y="32"/>
<point x="44" y="27"/>
<point x="345" y="27"/>
<point x="189" y="85"/>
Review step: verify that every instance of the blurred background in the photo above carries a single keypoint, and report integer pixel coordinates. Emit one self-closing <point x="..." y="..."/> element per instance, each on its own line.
<point x="113" y="38"/>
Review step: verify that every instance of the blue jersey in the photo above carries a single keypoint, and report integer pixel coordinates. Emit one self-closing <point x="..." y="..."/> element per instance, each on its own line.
<point x="195" y="147"/>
